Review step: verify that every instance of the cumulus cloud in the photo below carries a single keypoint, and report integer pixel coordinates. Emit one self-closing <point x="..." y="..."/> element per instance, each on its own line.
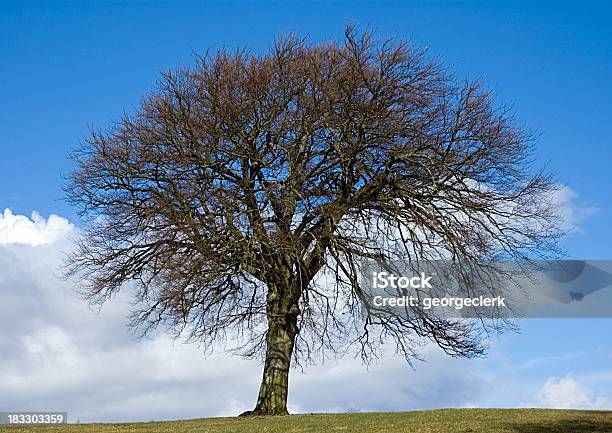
<point x="36" y="230"/>
<point x="58" y="354"/>
<point x="568" y="393"/>
<point x="391" y="385"/>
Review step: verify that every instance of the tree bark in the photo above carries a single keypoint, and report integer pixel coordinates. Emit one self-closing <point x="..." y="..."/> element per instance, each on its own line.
<point x="283" y="312"/>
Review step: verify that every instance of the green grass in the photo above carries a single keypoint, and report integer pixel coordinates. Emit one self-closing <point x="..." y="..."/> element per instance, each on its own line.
<point x="438" y="421"/>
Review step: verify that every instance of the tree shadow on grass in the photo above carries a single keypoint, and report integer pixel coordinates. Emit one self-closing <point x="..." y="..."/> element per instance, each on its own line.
<point x="569" y="425"/>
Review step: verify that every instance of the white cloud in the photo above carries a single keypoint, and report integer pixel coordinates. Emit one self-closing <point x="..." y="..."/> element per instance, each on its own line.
<point x="19" y="229"/>
<point x="390" y="384"/>
<point x="59" y="355"/>
<point x="568" y="393"/>
<point x="572" y="213"/>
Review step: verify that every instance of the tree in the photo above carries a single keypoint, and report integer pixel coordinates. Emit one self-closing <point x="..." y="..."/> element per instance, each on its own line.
<point x="243" y="193"/>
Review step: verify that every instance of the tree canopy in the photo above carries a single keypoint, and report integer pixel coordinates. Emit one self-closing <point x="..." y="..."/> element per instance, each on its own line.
<point x="243" y="193"/>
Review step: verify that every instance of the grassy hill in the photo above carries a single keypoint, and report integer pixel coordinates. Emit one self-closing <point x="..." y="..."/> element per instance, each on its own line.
<point x="436" y="421"/>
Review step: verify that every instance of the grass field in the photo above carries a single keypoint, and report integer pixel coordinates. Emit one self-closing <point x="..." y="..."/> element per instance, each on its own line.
<point x="443" y="421"/>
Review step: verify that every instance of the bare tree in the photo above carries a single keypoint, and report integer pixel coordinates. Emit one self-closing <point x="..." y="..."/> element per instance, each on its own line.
<point x="241" y="196"/>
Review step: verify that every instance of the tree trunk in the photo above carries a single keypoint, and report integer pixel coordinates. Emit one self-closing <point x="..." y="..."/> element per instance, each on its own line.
<point x="283" y="311"/>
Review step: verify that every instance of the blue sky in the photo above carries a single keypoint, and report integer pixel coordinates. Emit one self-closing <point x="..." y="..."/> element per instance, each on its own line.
<point x="70" y="65"/>
<point x="65" y="66"/>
